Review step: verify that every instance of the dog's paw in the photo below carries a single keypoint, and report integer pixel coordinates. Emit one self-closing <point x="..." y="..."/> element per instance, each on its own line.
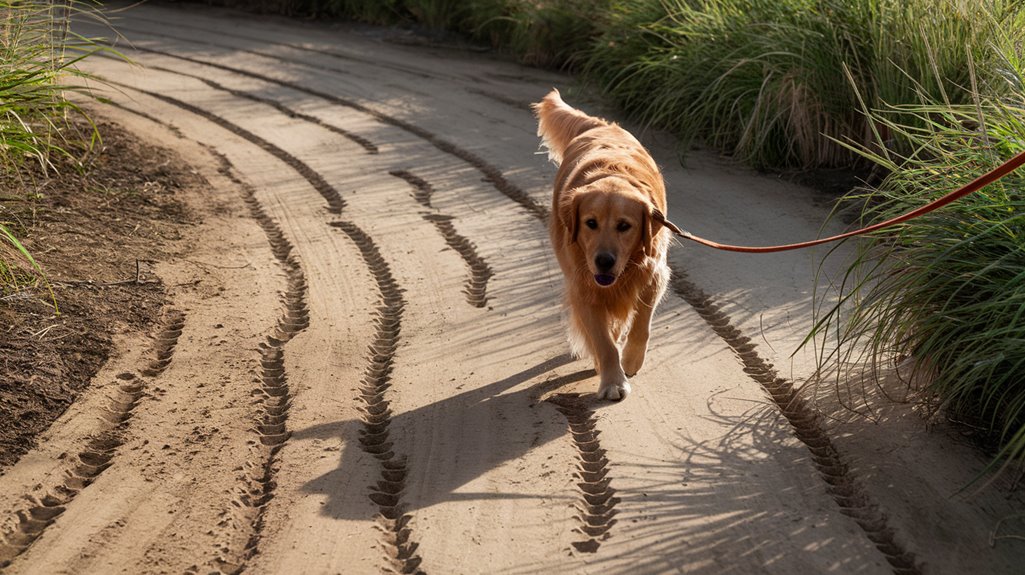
<point x="614" y="390"/>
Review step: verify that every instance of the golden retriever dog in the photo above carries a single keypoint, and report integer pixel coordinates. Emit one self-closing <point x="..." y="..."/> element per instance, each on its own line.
<point x="608" y="231"/>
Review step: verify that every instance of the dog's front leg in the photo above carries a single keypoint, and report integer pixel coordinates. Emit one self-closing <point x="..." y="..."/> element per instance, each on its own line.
<point x="637" y="340"/>
<point x="614" y="384"/>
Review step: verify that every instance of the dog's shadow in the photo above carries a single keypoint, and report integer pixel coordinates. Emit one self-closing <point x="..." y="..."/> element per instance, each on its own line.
<point x="447" y="444"/>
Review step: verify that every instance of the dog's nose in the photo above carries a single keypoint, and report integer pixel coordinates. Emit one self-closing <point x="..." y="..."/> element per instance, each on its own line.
<point x="604" y="261"/>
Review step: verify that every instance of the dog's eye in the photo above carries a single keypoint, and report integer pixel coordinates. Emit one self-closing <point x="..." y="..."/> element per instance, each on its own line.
<point x="622" y="226"/>
<point x="592" y="223"/>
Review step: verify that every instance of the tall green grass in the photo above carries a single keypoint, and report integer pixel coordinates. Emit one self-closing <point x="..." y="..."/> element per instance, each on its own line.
<point x="945" y="293"/>
<point x="16" y="263"/>
<point x="552" y="34"/>
<point x="784" y="83"/>
<point x="38" y="57"/>
<point x="381" y="12"/>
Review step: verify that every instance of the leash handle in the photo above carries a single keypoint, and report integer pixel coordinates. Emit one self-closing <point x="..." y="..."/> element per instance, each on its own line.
<point x="978" y="183"/>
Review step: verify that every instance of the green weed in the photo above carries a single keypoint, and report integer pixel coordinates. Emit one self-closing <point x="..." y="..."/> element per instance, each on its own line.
<point x="38" y="57"/>
<point x="945" y="293"/>
<point x="781" y="84"/>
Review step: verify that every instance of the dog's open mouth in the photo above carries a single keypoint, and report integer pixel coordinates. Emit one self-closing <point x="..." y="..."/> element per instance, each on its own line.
<point x="604" y="279"/>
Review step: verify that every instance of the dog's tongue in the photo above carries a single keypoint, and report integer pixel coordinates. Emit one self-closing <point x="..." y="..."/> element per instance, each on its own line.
<point x="604" y="279"/>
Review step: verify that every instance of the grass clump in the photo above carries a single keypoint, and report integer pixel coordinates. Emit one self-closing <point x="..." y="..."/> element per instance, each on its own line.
<point x="38" y="53"/>
<point x="554" y="34"/>
<point x="944" y="295"/>
<point x="781" y="84"/>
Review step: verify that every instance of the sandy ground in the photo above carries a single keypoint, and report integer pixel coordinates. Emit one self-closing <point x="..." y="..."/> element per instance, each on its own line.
<point x="374" y="378"/>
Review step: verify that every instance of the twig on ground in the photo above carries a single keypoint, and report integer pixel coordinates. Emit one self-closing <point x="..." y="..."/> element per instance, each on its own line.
<point x="135" y="281"/>
<point x="993" y="537"/>
<point x="206" y="264"/>
<point x="20" y="294"/>
<point x="42" y="333"/>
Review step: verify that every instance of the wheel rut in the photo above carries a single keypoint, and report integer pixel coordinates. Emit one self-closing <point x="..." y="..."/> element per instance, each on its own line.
<point x="491" y="174"/>
<point x="400" y="549"/>
<point x="335" y="202"/>
<point x="366" y="144"/>
<point x="334" y="55"/>
<point x="841" y="484"/>
<point x="242" y="526"/>
<point x="597" y="507"/>
<point x="501" y="98"/>
<point x="480" y="272"/>
<point x="100" y="449"/>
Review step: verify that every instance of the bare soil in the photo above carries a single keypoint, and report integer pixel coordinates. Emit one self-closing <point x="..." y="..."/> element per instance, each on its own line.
<point x="97" y="232"/>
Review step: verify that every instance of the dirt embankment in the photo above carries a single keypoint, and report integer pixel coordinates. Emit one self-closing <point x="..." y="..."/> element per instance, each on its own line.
<point x="98" y="233"/>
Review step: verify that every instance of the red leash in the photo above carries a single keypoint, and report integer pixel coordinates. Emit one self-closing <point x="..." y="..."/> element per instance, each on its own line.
<point x="982" y="181"/>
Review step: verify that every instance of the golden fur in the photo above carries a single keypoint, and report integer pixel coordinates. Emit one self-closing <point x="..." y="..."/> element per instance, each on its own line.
<point x="607" y="206"/>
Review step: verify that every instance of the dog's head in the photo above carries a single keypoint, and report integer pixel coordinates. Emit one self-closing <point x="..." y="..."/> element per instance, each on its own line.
<point x="613" y="224"/>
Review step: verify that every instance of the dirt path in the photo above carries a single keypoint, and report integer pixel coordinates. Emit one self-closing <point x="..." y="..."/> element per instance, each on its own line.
<point x="374" y="378"/>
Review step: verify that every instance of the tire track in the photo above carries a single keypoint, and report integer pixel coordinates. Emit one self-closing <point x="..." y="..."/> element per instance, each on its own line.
<point x="334" y="55"/>
<point x="170" y="127"/>
<point x="502" y="99"/>
<point x="422" y="190"/>
<point x="491" y="174"/>
<point x="99" y="449"/>
<point x="598" y="501"/>
<point x="257" y="483"/>
<point x="480" y="272"/>
<point x="335" y="202"/>
<point x="841" y="484"/>
<point x="398" y="545"/>
<point x="244" y="525"/>
<point x="366" y="144"/>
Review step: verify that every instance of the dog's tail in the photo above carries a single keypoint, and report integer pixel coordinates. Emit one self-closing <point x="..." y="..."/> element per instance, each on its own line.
<point x="558" y="123"/>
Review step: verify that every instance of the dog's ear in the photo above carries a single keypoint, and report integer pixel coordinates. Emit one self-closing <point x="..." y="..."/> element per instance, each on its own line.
<point x="649" y="230"/>
<point x="658" y="216"/>
<point x="569" y="213"/>
<point x="654" y="223"/>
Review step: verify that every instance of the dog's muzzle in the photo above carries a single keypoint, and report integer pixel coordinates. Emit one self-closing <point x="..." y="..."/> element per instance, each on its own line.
<point x="604" y="263"/>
